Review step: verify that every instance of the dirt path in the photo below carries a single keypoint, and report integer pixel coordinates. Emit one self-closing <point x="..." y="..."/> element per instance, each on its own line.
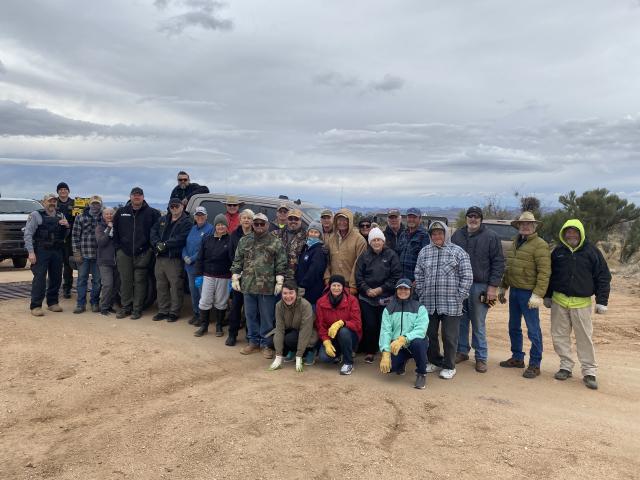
<point x="89" y="397"/>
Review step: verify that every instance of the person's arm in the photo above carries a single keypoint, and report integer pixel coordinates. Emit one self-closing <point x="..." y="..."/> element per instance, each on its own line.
<point x="102" y="238"/>
<point x="316" y="270"/>
<point x="281" y="266"/>
<point x="361" y="246"/>
<point x="306" y="327"/>
<point x="496" y="261"/>
<point x="542" y="258"/>
<point x="465" y="274"/>
<point x="278" y="337"/>
<point x="76" y="234"/>
<point x="420" y="326"/>
<point x="321" y="324"/>
<point x="238" y="259"/>
<point x="178" y="237"/>
<point x="198" y="265"/>
<point x="354" y="322"/>
<point x="601" y="278"/>
<point x="361" y="268"/>
<point x="154" y="234"/>
<point x="419" y="272"/>
<point x="30" y="228"/>
<point x="395" y="270"/>
<point x="386" y="331"/>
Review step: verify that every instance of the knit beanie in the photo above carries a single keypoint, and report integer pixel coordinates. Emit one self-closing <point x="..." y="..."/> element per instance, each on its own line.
<point x="62" y="185"/>
<point x="315" y="226"/>
<point x="337" y="279"/>
<point x="220" y="218"/>
<point x="376" y="233"/>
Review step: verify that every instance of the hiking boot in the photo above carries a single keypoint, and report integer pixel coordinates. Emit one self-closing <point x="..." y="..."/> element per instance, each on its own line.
<point x="562" y="374"/>
<point x="193" y="320"/>
<point x="267" y="353"/>
<point x="309" y="358"/>
<point x="421" y="381"/>
<point x="95" y="308"/>
<point x="590" y="382"/>
<point x="159" y="316"/>
<point x="123" y="312"/>
<point x="231" y="341"/>
<point x="172" y="317"/>
<point x="346" y="369"/>
<point x="531" y="372"/>
<point x="105" y="312"/>
<point x="54" y="308"/>
<point x="481" y="366"/>
<point x="79" y="309"/>
<point x="136" y="315"/>
<point x="249" y="349"/>
<point x="461" y="357"/>
<point x="66" y="293"/>
<point x="219" y="332"/>
<point x="432" y="367"/>
<point x="37" y="312"/>
<point x="512" y="363"/>
<point x="447" y="373"/>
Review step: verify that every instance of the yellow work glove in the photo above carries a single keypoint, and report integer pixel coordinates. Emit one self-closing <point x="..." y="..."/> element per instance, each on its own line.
<point x="329" y="348"/>
<point x="397" y="344"/>
<point x="385" y="362"/>
<point x="335" y="326"/>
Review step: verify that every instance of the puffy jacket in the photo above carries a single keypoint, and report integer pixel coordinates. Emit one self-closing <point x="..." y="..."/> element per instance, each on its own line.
<point x="485" y="252"/>
<point x="259" y="260"/>
<point x="312" y="263"/>
<point x="173" y="234"/>
<point x="403" y="317"/>
<point x="408" y="248"/>
<point x="194" y="241"/>
<point x="580" y="271"/>
<point x="528" y="265"/>
<point x="375" y="270"/>
<point x="214" y="258"/>
<point x="188" y="192"/>
<point x="132" y="228"/>
<point x="348" y="310"/>
<point x="106" y="249"/>
<point x="343" y="252"/>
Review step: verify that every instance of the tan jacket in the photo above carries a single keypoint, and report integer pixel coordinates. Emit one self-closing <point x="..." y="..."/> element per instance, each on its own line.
<point x="528" y="266"/>
<point x="343" y="252"/>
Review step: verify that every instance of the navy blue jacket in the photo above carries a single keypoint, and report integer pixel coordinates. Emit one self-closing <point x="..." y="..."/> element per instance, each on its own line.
<point x="408" y="249"/>
<point x="312" y="263"/>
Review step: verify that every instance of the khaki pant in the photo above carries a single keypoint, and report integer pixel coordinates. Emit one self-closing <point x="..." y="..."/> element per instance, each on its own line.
<point x="170" y="284"/>
<point x="562" y="321"/>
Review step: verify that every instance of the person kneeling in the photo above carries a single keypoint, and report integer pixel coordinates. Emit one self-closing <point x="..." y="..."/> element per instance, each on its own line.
<point x="294" y="330"/>
<point x="402" y="334"/>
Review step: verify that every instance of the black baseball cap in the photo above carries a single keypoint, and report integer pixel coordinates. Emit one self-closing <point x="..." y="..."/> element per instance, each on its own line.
<point x="474" y="209"/>
<point x="136" y="191"/>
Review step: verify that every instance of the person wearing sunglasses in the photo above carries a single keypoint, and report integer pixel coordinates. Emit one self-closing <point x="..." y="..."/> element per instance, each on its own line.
<point x="233" y="205"/>
<point x="293" y="238"/>
<point x="364" y="226"/>
<point x="185" y="189"/>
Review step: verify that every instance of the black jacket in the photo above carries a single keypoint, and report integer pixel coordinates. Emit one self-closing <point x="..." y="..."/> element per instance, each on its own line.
<point x="377" y="270"/>
<point x="392" y="237"/>
<point x="234" y="238"/>
<point x="188" y="192"/>
<point x="485" y="252"/>
<point x="174" y="235"/>
<point x="580" y="274"/>
<point x="132" y="228"/>
<point x="215" y="257"/>
<point x="312" y="263"/>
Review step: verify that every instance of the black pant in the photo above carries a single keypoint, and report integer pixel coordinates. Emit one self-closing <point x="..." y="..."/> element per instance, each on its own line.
<point x="48" y="262"/>
<point x="235" y="315"/>
<point x="450" y="331"/>
<point x="67" y="271"/>
<point x="371" y="321"/>
<point x="290" y="343"/>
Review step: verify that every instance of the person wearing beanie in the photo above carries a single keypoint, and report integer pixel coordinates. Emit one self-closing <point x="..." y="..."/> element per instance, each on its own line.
<point x="168" y="238"/>
<point x="338" y="324"/>
<point x="65" y="205"/>
<point x="377" y="271"/>
<point x="487" y="262"/>
<point x="213" y="271"/>
<point x="293" y="237"/>
<point x="410" y="242"/>
<point x="364" y="226"/>
<point x="312" y="263"/>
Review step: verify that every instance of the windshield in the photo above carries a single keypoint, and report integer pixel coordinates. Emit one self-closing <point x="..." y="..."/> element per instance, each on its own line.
<point x="314" y="213"/>
<point x="505" y="232"/>
<point x="18" y="206"/>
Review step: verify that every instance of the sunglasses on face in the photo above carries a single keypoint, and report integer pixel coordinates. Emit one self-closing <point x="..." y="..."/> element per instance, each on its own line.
<point x="365" y="225"/>
<point x="473" y="215"/>
<point x="174" y="207"/>
<point x="183" y="179"/>
<point x="392" y="217"/>
<point x="293" y="219"/>
<point x="259" y="224"/>
<point x="325" y="217"/>
<point x="232" y="204"/>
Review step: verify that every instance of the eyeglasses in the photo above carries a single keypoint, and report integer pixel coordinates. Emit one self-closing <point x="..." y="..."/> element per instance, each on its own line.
<point x="183" y="179"/>
<point x="473" y="215"/>
<point x="259" y="223"/>
<point x="293" y="219"/>
<point x="365" y="225"/>
<point x="325" y="216"/>
<point x="391" y="217"/>
<point x="174" y="207"/>
<point x="232" y="204"/>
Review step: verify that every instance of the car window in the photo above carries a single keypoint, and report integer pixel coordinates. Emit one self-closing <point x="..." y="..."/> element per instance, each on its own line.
<point x="19" y="206"/>
<point x="215" y="207"/>
<point x="504" y="231"/>
<point x="314" y="213"/>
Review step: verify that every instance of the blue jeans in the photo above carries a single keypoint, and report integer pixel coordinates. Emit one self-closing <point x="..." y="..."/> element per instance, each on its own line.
<point x="474" y="313"/>
<point x="417" y="350"/>
<point x="48" y="263"/>
<point x="518" y="299"/>
<point x="345" y="343"/>
<point x="195" y="293"/>
<point x="259" y="311"/>
<point x="88" y="266"/>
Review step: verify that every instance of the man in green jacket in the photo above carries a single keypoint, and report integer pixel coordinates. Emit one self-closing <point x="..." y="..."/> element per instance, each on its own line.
<point x="527" y="273"/>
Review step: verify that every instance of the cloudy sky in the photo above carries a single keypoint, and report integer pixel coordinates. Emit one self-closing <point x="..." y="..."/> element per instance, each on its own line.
<point x="407" y="102"/>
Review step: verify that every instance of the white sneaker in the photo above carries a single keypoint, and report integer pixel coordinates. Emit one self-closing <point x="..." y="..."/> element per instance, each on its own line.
<point x="346" y="369"/>
<point x="447" y="374"/>
<point x="432" y="368"/>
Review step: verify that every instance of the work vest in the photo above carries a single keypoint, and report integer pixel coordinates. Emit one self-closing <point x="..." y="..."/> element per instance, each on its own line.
<point x="50" y="234"/>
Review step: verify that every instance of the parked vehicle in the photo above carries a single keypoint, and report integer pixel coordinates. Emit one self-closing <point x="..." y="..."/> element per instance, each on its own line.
<point x="14" y="213"/>
<point x="505" y="231"/>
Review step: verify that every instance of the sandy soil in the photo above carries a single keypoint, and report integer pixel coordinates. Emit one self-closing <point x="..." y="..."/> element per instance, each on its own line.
<point x="89" y="397"/>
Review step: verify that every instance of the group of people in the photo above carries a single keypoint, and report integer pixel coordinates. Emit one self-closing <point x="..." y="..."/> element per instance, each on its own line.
<point x="328" y="291"/>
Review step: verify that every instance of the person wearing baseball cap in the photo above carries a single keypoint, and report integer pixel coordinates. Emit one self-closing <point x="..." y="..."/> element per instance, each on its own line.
<point x="403" y="334"/>
<point x="200" y="229"/>
<point x="394" y="228"/>
<point x="413" y="239"/>
<point x="65" y="205"/>
<point x="293" y="238"/>
<point x="282" y="214"/>
<point x="326" y="219"/>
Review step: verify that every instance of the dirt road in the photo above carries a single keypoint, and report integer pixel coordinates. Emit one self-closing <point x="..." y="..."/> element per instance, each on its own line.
<point x="89" y="397"/>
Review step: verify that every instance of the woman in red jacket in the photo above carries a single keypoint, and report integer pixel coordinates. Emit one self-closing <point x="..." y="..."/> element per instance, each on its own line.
<point x="339" y="324"/>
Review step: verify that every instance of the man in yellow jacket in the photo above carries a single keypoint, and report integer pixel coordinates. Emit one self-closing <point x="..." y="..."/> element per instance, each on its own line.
<point x="527" y="273"/>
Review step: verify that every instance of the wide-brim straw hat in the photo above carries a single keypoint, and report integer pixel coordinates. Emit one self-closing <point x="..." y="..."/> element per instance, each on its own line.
<point x="526" y="217"/>
<point x="232" y="199"/>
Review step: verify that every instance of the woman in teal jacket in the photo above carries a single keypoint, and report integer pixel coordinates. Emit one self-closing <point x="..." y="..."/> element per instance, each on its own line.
<point x="403" y="334"/>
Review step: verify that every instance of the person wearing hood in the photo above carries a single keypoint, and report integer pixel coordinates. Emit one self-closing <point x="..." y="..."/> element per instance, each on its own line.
<point x="344" y="247"/>
<point x="394" y="228"/>
<point x="338" y="324"/>
<point x="294" y="332"/>
<point x="443" y="277"/>
<point x="377" y="272"/>
<point x="85" y="254"/>
<point x="200" y="229"/>
<point x="106" y="260"/>
<point x="578" y="271"/>
<point x="212" y="271"/>
<point x="168" y="238"/>
<point x="185" y="189"/>
<point x="293" y="238"/>
<point x="65" y="205"/>
<point x="312" y="263"/>
<point x="527" y="273"/>
<point x="131" y="239"/>
<point x="403" y="334"/>
<point x="412" y="239"/>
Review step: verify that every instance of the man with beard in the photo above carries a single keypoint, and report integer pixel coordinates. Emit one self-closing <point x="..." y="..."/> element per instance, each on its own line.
<point x="185" y="189"/>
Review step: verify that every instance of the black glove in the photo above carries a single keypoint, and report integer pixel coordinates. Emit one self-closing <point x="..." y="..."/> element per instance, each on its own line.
<point x="161" y="247"/>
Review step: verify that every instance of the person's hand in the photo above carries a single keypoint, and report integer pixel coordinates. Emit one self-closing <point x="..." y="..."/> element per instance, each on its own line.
<point x="63" y="221"/>
<point x="353" y="290"/>
<point x="385" y="362"/>
<point x="491" y="293"/>
<point x="329" y="348"/>
<point x="198" y="281"/>
<point x="32" y="258"/>
<point x="534" y="301"/>
<point x="161" y="247"/>
<point x="110" y="224"/>
<point x="279" y="283"/>
<point x="502" y="295"/>
<point x="299" y="365"/>
<point x="335" y="326"/>
<point x="77" y="257"/>
<point x="184" y="202"/>
<point x="187" y="259"/>
<point x="601" y="309"/>
<point x="547" y="302"/>
<point x="276" y="364"/>
<point x="397" y="344"/>
<point x="235" y="281"/>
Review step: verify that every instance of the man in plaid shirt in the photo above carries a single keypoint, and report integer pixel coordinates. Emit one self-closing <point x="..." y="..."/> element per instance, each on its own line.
<point x="85" y="254"/>
<point x="443" y="278"/>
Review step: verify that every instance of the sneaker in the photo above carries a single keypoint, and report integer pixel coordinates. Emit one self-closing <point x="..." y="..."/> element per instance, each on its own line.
<point x="95" y="308"/>
<point x="431" y="367"/>
<point x="79" y="309"/>
<point x="249" y="349"/>
<point x="54" y="308"/>
<point x="106" y="313"/>
<point x="346" y="369"/>
<point x="290" y="357"/>
<point x="37" y="312"/>
<point x="447" y="373"/>
<point x="159" y="316"/>
<point x="267" y="353"/>
<point x="309" y="358"/>
<point x="481" y="366"/>
<point x="368" y="358"/>
<point x="421" y="381"/>
<point x="531" y="372"/>
<point x="122" y="313"/>
<point x="172" y="317"/>
<point x="562" y="374"/>
<point x="590" y="382"/>
<point x="136" y="315"/>
<point x="461" y="357"/>
<point x="512" y="363"/>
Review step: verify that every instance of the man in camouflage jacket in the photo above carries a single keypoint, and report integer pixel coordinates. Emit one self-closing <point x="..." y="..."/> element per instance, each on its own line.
<point x="294" y="238"/>
<point x="258" y="271"/>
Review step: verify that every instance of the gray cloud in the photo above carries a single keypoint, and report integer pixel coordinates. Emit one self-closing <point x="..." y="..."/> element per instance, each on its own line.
<point x="202" y="13"/>
<point x="3" y="69"/>
<point x="335" y="79"/>
<point x="388" y="83"/>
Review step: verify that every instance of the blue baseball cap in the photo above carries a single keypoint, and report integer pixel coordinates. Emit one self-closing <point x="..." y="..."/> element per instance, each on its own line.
<point x="414" y="211"/>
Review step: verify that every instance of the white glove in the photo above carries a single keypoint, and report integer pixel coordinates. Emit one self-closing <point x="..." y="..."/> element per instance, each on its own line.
<point x="534" y="301"/>
<point x="187" y="260"/>
<point x="279" y="282"/>
<point x="547" y="302"/>
<point x="299" y="366"/>
<point x="235" y="281"/>
<point x="601" y="309"/>
<point x="276" y="364"/>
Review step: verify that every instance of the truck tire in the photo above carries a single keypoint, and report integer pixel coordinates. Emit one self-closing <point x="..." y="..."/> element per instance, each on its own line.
<point x="19" y="262"/>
